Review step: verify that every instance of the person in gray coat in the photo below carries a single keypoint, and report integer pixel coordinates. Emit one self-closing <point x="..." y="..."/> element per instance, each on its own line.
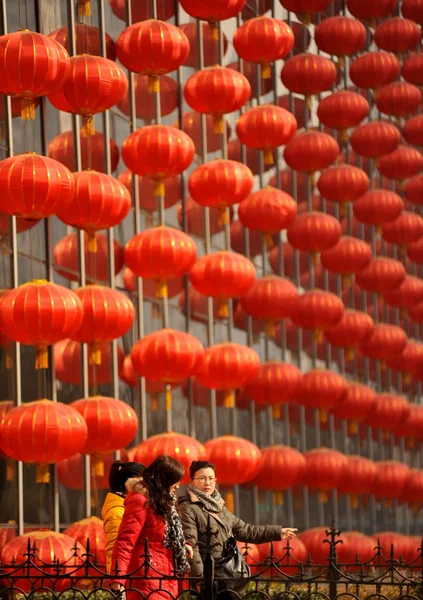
<point x="203" y="499"/>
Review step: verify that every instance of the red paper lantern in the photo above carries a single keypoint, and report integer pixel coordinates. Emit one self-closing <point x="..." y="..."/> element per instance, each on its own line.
<point x="160" y="254"/>
<point x="358" y="478"/>
<point x="145" y="104"/>
<point x="397" y="35"/>
<point x="379" y="9"/>
<point x="413" y="489"/>
<point x="191" y="125"/>
<point x="406" y="228"/>
<point x="39" y="314"/>
<point x="266" y="128"/>
<point x="237" y="461"/>
<point x="100" y="202"/>
<point x="269" y="211"/>
<point x="282" y="468"/>
<point x="317" y="310"/>
<point x="276" y="383"/>
<point x="217" y="91"/>
<point x="381" y="275"/>
<point x="228" y="366"/>
<point x="308" y="74"/>
<point x="108" y="315"/>
<point x="401" y="164"/>
<point x="42" y="432"/>
<point x="112" y="424"/>
<point x="258" y="87"/>
<point x="34" y="186"/>
<point x="322" y="389"/>
<point x="375" y="139"/>
<point x="89" y="529"/>
<point x="407" y="294"/>
<point x="66" y="258"/>
<point x="343" y="183"/>
<point x="378" y="207"/>
<point x="308" y="8"/>
<point x="354" y="328"/>
<point x="415" y="251"/>
<point x="398" y="99"/>
<point x="302" y="37"/>
<point x="349" y="257"/>
<point x="343" y="110"/>
<point x="391" y="479"/>
<point x="140" y="11"/>
<point x="210" y="45"/>
<point x="324" y="471"/>
<point x="374" y="69"/>
<point x="213" y="10"/>
<point x="21" y="224"/>
<point x="270" y="298"/>
<point x="412" y="9"/>
<point x="386" y="341"/>
<point x="412" y="69"/>
<point x="31" y="65"/>
<point x="182" y="447"/>
<point x="412" y="428"/>
<point x="146" y="199"/>
<point x="194" y="214"/>
<point x="94" y="84"/>
<point x="62" y="149"/>
<point x="223" y="275"/>
<point x="317" y="549"/>
<point x="311" y="151"/>
<point x="413" y="190"/>
<point x="220" y="183"/>
<point x="87" y="40"/>
<point x="158" y="152"/>
<point x="314" y="232"/>
<point x="356" y="405"/>
<point x="263" y="40"/>
<point x="340" y="36"/>
<point x="409" y="363"/>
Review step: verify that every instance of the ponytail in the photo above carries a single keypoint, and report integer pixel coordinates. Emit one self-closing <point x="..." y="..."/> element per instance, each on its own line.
<point x="121" y="471"/>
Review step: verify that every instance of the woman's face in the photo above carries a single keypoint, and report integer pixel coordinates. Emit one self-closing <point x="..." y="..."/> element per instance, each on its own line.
<point x="205" y="480"/>
<point x="174" y="488"/>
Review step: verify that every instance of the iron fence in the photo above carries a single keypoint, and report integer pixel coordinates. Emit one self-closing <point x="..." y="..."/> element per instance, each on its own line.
<point x="383" y="577"/>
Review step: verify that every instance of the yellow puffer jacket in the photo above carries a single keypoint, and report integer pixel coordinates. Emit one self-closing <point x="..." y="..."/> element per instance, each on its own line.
<point x="111" y="513"/>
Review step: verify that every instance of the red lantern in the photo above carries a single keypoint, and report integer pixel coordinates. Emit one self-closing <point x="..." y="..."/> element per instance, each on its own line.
<point x="375" y="139"/>
<point x="87" y="40"/>
<point x="108" y="315"/>
<point x="146" y="199"/>
<point x="324" y="471"/>
<point x="282" y="468"/>
<point x="349" y="257"/>
<point x="381" y="275"/>
<point x="217" y="91"/>
<point x="415" y="251"/>
<point x="21" y="224"/>
<point x="308" y="74"/>
<point x="397" y="35"/>
<point x="413" y="190"/>
<point x="386" y="342"/>
<point x="66" y="258"/>
<point x="223" y="275"/>
<point x="398" y="99"/>
<point x="61" y="148"/>
<point x="378" y="207"/>
<point x="158" y="152"/>
<point x="269" y="211"/>
<point x="270" y="298"/>
<point x="359" y="477"/>
<point x="100" y="202"/>
<point x="311" y="151"/>
<point x="263" y="40"/>
<point x="212" y="10"/>
<point x="94" y="84"/>
<point x="237" y="461"/>
<point x="317" y="310"/>
<point x="195" y="218"/>
<point x="182" y="447"/>
<point x="391" y="479"/>
<point x="39" y="314"/>
<point x="406" y="228"/>
<point x="302" y="37"/>
<point x="412" y="9"/>
<point x="160" y="254"/>
<point x="412" y="70"/>
<point x="210" y="45"/>
<point x="89" y="529"/>
<point x="413" y="489"/>
<point x="374" y="69"/>
<point x="227" y="367"/>
<point x="191" y="125"/>
<point x="409" y="363"/>
<point x="322" y="390"/>
<point x="340" y="36"/>
<point x="142" y="11"/>
<point x="112" y="424"/>
<point x="314" y="232"/>
<point x="401" y="164"/>
<point x="412" y="428"/>
<point x="42" y="432"/>
<point x="356" y="405"/>
<point x="33" y="186"/>
<point x="266" y="128"/>
<point x="308" y="8"/>
<point x="31" y="65"/>
<point x="71" y="472"/>
<point x="343" y="183"/>
<point x="379" y="9"/>
<point x="220" y="183"/>
<point x="343" y="110"/>
<point x="354" y="328"/>
<point x="316" y="547"/>
<point x="258" y="87"/>
<point x="276" y="383"/>
<point x="407" y="294"/>
<point x="145" y="104"/>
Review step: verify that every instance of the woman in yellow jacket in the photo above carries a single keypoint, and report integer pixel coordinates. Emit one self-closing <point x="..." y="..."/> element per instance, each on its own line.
<point x="112" y="511"/>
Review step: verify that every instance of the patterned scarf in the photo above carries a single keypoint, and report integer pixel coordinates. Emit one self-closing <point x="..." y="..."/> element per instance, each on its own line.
<point x="212" y="502"/>
<point x="174" y="539"/>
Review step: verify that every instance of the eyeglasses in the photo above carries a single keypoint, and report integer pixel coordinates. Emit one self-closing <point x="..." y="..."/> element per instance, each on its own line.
<point x="205" y="479"/>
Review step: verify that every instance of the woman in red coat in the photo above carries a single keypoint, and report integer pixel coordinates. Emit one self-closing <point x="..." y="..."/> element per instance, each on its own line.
<point x="150" y="514"/>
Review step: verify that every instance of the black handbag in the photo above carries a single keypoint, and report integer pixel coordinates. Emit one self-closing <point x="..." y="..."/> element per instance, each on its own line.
<point x="233" y="564"/>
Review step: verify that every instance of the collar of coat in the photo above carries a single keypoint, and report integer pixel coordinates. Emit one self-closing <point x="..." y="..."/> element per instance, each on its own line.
<point x="194" y="498"/>
<point x="136" y="484"/>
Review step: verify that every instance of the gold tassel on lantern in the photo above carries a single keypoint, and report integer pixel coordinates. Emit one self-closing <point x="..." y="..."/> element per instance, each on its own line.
<point x="230" y="501"/>
<point x="95" y="355"/>
<point x="354" y="501"/>
<point x="27" y="109"/>
<point x="41" y="358"/>
<point x="268" y="240"/>
<point x="346" y="281"/>
<point x="223" y="218"/>
<point x="318" y="336"/>
<point x="223" y="311"/>
<point x="268" y="157"/>
<point x="228" y="399"/>
<point x="97" y="466"/>
<point x="352" y="428"/>
<point x="323" y="417"/>
<point x="341" y="65"/>
<point x="159" y="188"/>
<point x="168" y="398"/>
<point x="218" y="125"/>
<point x="9" y="362"/>
<point x="276" y="412"/>
<point x="10" y="470"/>
<point x="270" y="328"/>
<point x="266" y="73"/>
<point x="156" y="313"/>
<point x="214" y="32"/>
<point x="308" y="102"/>
<point x="88" y="125"/>
<point x="154" y="402"/>
<point x="349" y="354"/>
<point x="161" y="289"/>
<point x="84" y="8"/>
<point x="42" y="473"/>
<point x="153" y="85"/>
<point x="92" y="242"/>
<point x="323" y="497"/>
<point x="278" y="498"/>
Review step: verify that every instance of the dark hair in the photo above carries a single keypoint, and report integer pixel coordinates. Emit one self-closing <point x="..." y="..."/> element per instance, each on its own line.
<point x="163" y="472"/>
<point x="120" y="472"/>
<point x="196" y="465"/>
